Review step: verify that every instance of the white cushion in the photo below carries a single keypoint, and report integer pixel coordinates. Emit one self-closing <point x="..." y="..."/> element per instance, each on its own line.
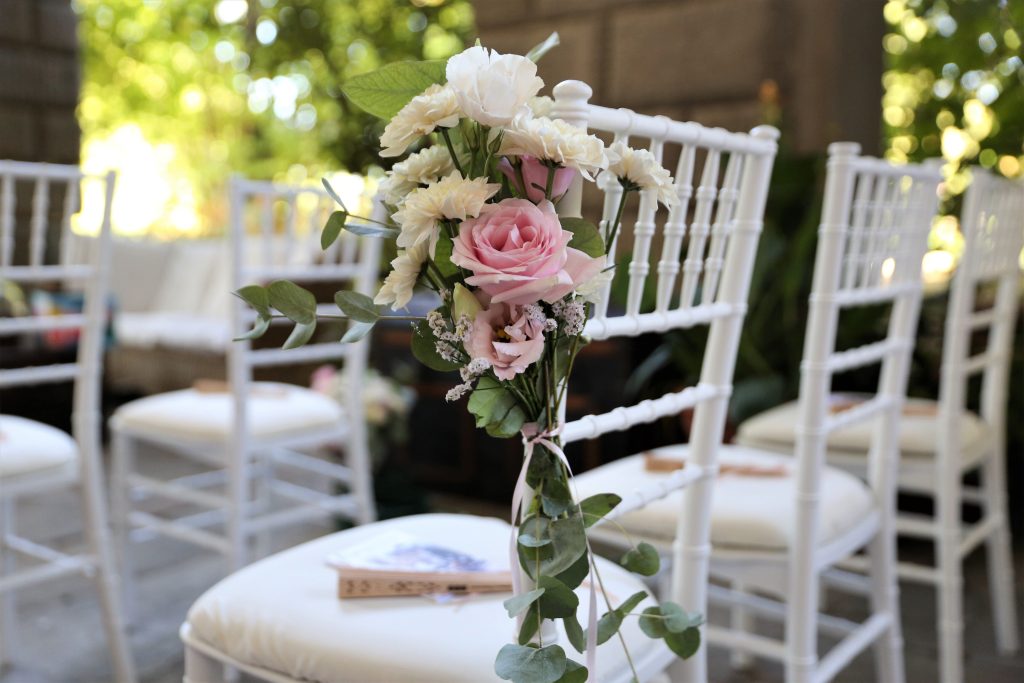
<point x="274" y="410"/>
<point x="28" y="448"/>
<point x="190" y="270"/>
<point x="774" y="430"/>
<point x="283" y="614"/>
<point x="174" y="330"/>
<point x="749" y="511"/>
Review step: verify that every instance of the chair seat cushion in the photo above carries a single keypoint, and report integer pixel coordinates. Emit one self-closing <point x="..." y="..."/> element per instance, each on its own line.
<point x="750" y="510"/>
<point x="774" y="429"/>
<point x="29" y="448"/>
<point x="173" y="329"/>
<point x="283" y="614"/>
<point x="274" y="410"/>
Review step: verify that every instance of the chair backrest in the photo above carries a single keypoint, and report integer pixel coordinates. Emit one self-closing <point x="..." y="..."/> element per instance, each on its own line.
<point x="720" y="231"/>
<point x="31" y="257"/>
<point x="871" y="241"/>
<point x="275" y="234"/>
<point x="992" y="222"/>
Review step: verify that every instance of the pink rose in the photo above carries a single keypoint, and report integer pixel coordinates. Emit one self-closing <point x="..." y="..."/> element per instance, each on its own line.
<point x="535" y="176"/>
<point x="322" y="379"/>
<point x="505" y="336"/>
<point x="519" y="254"/>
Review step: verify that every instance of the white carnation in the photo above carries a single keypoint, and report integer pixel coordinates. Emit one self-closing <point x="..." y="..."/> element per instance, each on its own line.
<point x="400" y="282"/>
<point x="422" y="168"/>
<point x="452" y="197"/>
<point x="555" y="140"/>
<point x="592" y="290"/>
<point x="436" y="107"/>
<point x="492" y="88"/>
<point x="640" y="168"/>
<point x="541" y="106"/>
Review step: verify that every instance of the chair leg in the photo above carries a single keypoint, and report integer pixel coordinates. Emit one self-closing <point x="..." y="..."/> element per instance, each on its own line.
<point x="885" y="599"/>
<point x="950" y="588"/>
<point x="123" y="462"/>
<point x="106" y="576"/>
<point x="238" y="505"/>
<point x="263" y="502"/>
<point x="1000" y="558"/>
<point x="8" y="599"/>
<point x="801" y="628"/>
<point x="741" y="620"/>
<point x="201" y="668"/>
<point x="358" y="452"/>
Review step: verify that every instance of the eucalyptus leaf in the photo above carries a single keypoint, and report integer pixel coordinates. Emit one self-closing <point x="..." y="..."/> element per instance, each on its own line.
<point x="643" y="560"/>
<point x="370" y="230"/>
<point x="568" y="543"/>
<point x="574" y="632"/>
<point x="333" y="194"/>
<point x="558" y="600"/>
<point x="585" y="236"/>
<point x="533" y="532"/>
<point x="652" y="623"/>
<point x="574" y="575"/>
<point x="358" y="307"/>
<point x="677" y="619"/>
<point x="684" y="644"/>
<point x="257" y="297"/>
<point x="331" y="231"/>
<point x="259" y="328"/>
<point x="574" y="673"/>
<point x="385" y="91"/>
<point x="607" y="626"/>
<point x="541" y="49"/>
<point x="294" y="302"/>
<point x="524" y="664"/>
<point x="556" y="498"/>
<point x="517" y="604"/>
<point x="597" y="506"/>
<point x="496" y="409"/>
<point x="632" y="601"/>
<point x="301" y="334"/>
<point x="531" y="624"/>
<point x="425" y="350"/>
<point x="355" y="332"/>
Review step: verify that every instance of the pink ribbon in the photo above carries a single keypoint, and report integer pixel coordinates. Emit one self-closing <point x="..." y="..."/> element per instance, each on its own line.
<point x="532" y="437"/>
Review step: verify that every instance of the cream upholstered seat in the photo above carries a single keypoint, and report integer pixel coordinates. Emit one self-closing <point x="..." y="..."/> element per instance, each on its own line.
<point x="282" y="615"/>
<point x="28" y="447"/>
<point x="774" y="430"/>
<point x="275" y="410"/>
<point x="752" y="509"/>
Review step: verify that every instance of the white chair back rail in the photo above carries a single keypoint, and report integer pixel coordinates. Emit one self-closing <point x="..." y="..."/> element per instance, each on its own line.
<point x="721" y="230"/>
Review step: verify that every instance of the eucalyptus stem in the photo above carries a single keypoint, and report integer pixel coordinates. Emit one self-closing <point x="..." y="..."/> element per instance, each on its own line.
<point x="331" y="316"/>
<point x="451" y="150"/>
<point x="622" y="639"/>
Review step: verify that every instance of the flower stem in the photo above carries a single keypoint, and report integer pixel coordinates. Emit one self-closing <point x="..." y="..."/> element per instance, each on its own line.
<point x="614" y="231"/>
<point x="451" y="150"/>
<point x="550" y="183"/>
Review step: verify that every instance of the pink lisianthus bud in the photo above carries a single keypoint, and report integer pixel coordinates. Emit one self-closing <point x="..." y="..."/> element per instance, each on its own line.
<point x="535" y="177"/>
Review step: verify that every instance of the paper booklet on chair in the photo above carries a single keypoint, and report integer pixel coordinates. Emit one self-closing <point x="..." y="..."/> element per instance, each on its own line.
<point x="395" y="564"/>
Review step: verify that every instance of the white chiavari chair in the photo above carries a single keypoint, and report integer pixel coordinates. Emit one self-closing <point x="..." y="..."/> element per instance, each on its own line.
<point x="941" y="441"/>
<point x="316" y="638"/>
<point x="260" y="442"/>
<point x="776" y="525"/>
<point x="37" y="459"/>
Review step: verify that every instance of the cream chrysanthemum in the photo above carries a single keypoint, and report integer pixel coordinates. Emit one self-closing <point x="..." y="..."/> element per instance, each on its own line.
<point x="555" y="140"/>
<point x="436" y="107"/>
<point x="400" y="282"/>
<point x="452" y="197"/>
<point x="640" y="168"/>
<point x="422" y="168"/>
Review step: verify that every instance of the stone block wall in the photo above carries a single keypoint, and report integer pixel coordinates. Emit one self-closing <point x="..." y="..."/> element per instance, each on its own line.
<point x="718" y="62"/>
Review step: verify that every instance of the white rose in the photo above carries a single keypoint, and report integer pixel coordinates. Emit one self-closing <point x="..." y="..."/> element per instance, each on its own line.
<point x="492" y="88"/>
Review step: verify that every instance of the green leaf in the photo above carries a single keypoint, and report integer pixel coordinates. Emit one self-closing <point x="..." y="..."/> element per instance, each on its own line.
<point x="652" y="623"/>
<point x="356" y="331"/>
<point x="358" y="307"/>
<point x="574" y="632"/>
<point x="556" y="498"/>
<point x="443" y="256"/>
<point x="496" y="409"/>
<point x="385" y="91"/>
<point x="597" y="506"/>
<point x="259" y="328"/>
<point x="643" y="560"/>
<point x="257" y="297"/>
<point x="531" y="624"/>
<point x="370" y="230"/>
<point x="533" y="532"/>
<point x="568" y="543"/>
<point x="607" y="626"/>
<point x="541" y="49"/>
<point x="302" y="333"/>
<point x="517" y="604"/>
<point x="585" y="236"/>
<point x="677" y="619"/>
<point x="335" y="224"/>
<point x="684" y="644"/>
<point x="523" y="664"/>
<point x="294" y="302"/>
<point x="574" y="575"/>
<point x="632" y="601"/>
<point x="333" y="194"/>
<point x="558" y="600"/>
<point x="425" y="350"/>
<point x="574" y="673"/>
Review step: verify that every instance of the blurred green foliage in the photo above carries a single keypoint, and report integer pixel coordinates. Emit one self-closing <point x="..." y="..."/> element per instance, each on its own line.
<point x="251" y="87"/>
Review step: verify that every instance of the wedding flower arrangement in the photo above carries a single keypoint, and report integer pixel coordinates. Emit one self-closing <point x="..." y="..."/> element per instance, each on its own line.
<point x="473" y="209"/>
